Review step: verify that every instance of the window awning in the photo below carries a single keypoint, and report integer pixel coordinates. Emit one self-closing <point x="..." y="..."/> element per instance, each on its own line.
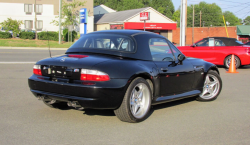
<point x="243" y="30"/>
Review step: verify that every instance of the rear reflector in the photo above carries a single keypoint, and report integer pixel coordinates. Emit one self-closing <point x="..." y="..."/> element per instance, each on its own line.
<point x="37" y="70"/>
<point x="93" y="75"/>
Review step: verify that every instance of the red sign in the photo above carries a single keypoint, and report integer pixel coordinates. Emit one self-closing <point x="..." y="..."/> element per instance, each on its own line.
<point x="144" y="16"/>
<point x="150" y="26"/>
<point x="116" y="26"/>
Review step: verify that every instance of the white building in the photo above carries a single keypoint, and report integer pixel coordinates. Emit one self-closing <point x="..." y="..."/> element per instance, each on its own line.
<point x="130" y="19"/>
<point x="102" y="9"/>
<point x="46" y="11"/>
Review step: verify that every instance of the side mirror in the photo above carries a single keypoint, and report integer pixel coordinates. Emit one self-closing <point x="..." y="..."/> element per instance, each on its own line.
<point x="193" y="45"/>
<point x="181" y="57"/>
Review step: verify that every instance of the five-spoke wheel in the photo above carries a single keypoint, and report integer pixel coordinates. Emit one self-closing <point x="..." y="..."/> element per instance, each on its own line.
<point x="136" y="102"/>
<point x="212" y="87"/>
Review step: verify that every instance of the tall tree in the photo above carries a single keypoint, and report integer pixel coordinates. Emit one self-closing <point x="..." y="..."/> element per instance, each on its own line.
<point x="211" y="15"/>
<point x="247" y="20"/>
<point x="231" y="18"/>
<point x="99" y="2"/>
<point x="165" y="7"/>
<point x="129" y="4"/>
<point x="70" y="14"/>
<point x="176" y="17"/>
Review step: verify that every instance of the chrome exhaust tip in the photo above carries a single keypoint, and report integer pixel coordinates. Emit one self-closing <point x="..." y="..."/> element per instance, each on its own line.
<point x="74" y="104"/>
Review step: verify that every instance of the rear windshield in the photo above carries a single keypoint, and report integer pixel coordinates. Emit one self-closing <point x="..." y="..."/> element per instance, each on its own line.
<point x="109" y="42"/>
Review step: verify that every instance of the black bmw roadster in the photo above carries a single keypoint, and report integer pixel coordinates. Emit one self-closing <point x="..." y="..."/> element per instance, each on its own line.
<point x="124" y="70"/>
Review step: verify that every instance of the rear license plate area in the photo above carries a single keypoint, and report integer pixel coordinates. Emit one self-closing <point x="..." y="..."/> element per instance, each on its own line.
<point x="58" y="71"/>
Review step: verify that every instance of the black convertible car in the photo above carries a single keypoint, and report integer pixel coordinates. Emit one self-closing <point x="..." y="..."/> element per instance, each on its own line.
<point x="124" y="70"/>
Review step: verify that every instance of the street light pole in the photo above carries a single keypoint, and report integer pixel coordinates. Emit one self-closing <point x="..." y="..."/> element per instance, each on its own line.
<point x="35" y="21"/>
<point x="60" y="9"/>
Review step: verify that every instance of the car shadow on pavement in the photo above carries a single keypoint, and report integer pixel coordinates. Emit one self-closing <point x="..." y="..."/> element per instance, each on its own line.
<point x="92" y="112"/>
<point x="107" y="112"/>
<point x="172" y="104"/>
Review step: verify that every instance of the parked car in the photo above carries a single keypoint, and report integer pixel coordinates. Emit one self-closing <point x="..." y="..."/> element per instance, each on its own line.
<point x="143" y="69"/>
<point x="218" y="50"/>
<point x="247" y="43"/>
<point x="5" y="30"/>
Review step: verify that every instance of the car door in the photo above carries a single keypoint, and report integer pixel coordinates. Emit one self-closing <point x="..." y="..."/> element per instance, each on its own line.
<point x="204" y="49"/>
<point x="174" y="78"/>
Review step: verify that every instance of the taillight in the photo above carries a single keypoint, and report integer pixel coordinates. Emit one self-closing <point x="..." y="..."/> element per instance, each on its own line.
<point x="93" y="75"/>
<point x="37" y="70"/>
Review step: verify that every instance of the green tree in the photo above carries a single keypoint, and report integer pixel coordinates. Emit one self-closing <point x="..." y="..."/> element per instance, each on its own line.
<point x="176" y="17"/>
<point x="12" y="25"/>
<point x="247" y="20"/>
<point x="165" y="7"/>
<point x="211" y="15"/>
<point x="129" y="4"/>
<point x="231" y="18"/>
<point x="70" y="14"/>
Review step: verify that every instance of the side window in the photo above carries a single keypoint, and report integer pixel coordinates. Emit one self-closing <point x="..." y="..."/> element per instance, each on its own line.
<point x="203" y="42"/>
<point x="175" y="50"/>
<point x="160" y="50"/>
<point x="219" y="43"/>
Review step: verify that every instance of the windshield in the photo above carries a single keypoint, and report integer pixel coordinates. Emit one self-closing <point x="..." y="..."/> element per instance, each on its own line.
<point x="239" y="42"/>
<point x="107" y="42"/>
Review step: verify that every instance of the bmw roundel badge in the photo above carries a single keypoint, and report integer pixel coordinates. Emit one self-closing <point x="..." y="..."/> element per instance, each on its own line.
<point x="62" y="60"/>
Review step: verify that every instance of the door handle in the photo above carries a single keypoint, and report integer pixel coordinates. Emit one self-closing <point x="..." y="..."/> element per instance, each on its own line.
<point x="164" y="69"/>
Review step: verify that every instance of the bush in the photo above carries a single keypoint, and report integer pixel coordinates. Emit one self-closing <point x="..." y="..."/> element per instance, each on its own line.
<point x="65" y="35"/>
<point x="45" y="35"/>
<point x="27" y="35"/>
<point x="5" y="35"/>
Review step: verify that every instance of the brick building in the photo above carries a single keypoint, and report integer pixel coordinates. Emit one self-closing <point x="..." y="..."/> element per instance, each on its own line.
<point x="203" y="32"/>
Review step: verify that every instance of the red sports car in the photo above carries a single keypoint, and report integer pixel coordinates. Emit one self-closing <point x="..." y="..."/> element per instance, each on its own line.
<point x="218" y="50"/>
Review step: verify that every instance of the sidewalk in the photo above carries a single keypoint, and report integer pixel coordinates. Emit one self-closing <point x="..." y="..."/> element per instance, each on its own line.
<point x="32" y="48"/>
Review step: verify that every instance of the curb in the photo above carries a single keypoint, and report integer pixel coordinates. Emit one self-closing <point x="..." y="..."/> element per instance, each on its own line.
<point x="33" y="48"/>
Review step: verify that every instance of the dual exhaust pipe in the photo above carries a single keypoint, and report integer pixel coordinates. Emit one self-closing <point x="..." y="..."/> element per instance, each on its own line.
<point x="74" y="104"/>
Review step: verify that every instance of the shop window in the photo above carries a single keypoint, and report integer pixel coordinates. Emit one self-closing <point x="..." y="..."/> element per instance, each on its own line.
<point x="39" y="25"/>
<point x="39" y="9"/>
<point x="28" y="24"/>
<point x="28" y="8"/>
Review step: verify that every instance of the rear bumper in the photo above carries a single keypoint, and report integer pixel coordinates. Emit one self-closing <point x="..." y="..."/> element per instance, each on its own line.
<point x="102" y="95"/>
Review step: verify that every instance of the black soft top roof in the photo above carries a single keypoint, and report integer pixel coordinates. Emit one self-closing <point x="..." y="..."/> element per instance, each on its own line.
<point x="140" y="39"/>
<point x="125" y="32"/>
<point x="227" y="41"/>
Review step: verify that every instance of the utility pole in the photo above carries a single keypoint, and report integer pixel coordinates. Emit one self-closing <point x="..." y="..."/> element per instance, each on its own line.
<point x="35" y="20"/>
<point x="60" y="9"/>
<point x="200" y="19"/>
<point x="193" y="27"/>
<point x="182" y="23"/>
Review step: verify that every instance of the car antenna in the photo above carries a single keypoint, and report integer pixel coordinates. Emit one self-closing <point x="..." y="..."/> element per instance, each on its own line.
<point x="49" y="45"/>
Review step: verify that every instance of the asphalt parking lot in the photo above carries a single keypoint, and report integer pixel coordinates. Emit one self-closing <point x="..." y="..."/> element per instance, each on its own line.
<point x="25" y="120"/>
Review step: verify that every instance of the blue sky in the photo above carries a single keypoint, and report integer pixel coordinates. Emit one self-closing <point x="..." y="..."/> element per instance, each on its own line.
<point x="241" y="8"/>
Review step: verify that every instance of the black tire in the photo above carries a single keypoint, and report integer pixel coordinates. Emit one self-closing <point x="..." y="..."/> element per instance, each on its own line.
<point x="57" y="105"/>
<point x="227" y="61"/>
<point x="138" y="94"/>
<point x="214" y="85"/>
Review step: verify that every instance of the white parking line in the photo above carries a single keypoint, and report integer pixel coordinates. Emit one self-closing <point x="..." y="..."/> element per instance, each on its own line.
<point x="17" y="62"/>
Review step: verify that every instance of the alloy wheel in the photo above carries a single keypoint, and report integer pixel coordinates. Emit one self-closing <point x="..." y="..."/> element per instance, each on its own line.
<point x="140" y="100"/>
<point x="211" y="87"/>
